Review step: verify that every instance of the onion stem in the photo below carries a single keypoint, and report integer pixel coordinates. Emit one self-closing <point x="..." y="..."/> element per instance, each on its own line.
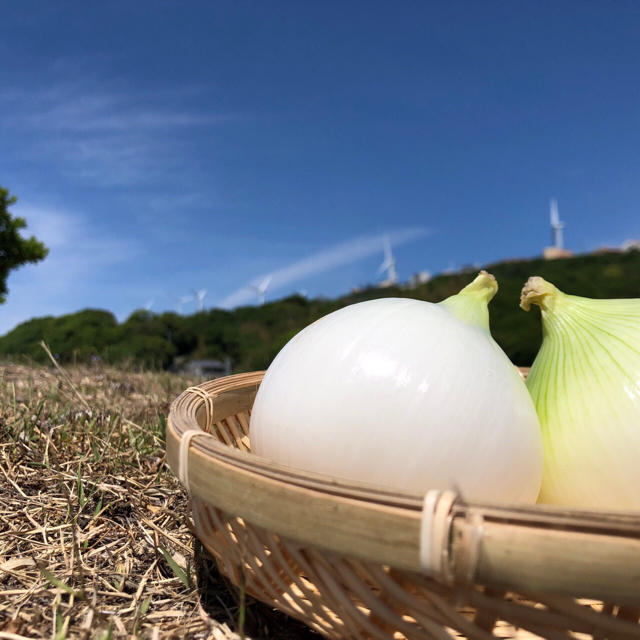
<point x="471" y="304"/>
<point x="540" y="292"/>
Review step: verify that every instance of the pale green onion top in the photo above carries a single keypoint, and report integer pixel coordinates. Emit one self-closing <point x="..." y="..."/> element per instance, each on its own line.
<point x="471" y="304"/>
<point x="585" y="384"/>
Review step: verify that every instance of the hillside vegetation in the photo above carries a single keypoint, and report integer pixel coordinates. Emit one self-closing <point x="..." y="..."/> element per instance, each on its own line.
<point x="252" y="336"/>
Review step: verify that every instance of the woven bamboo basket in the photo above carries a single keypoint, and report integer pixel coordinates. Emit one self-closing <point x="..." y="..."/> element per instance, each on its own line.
<point x="355" y="561"/>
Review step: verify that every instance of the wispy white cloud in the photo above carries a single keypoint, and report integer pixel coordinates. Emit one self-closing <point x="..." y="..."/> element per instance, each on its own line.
<point x="105" y="136"/>
<point x="71" y="239"/>
<point x="114" y="160"/>
<point x="78" y="253"/>
<point x="81" y="108"/>
<point x="324" y="260"/>
<point x="104" y="113"/>
<point x="171" y="202"/>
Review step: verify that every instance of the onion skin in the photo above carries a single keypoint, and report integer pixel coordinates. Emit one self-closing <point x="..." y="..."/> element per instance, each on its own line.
<point x="403" y="394"/>
<point x="585" y="384"/>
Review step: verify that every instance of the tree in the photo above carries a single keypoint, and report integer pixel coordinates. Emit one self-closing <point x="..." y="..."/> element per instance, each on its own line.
<point x="14" y="249"/>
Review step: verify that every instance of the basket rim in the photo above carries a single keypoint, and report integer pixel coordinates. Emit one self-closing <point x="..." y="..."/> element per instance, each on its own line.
<point x="392" y="516"/>
<point x="361" y="490"/>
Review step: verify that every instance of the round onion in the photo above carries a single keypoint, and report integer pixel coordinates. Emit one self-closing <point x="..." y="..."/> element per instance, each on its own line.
<point x="404" y="394"/>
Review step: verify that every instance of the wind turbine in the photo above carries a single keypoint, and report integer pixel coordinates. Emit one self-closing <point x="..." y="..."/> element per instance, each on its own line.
<point x="199" y="297"/>
<point x="556" y="225"/>
<point x="389" y="264"/>
<point x="183" y="300"/>
<point x="261" y="288"/>
<point x="147" y="307"/>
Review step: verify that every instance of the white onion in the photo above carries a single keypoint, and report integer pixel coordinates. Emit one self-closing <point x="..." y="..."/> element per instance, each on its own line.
<point x="404" y="394"/>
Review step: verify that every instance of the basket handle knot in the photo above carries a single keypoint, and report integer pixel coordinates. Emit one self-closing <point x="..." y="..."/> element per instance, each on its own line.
<point x="189" y="434"/>
<point x="435" y="539"/>
<point x="183" y="455"/>
<point x="434" y="532"/>
<point x="208" y="404"/>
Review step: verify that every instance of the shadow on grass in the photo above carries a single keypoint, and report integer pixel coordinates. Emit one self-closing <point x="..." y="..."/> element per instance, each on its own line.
<point x="223" y="602"/>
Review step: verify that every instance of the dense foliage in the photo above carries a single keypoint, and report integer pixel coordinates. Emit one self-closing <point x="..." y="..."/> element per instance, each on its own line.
<point x="14" y="249"/>
<point x="252" y="336"/>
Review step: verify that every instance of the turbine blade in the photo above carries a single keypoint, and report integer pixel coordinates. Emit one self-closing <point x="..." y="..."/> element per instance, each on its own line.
<point x="384" y="266"/>
<point x="265" y="283"/>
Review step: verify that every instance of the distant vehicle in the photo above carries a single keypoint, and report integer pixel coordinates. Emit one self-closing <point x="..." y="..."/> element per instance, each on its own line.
<point x="206" y="368"/>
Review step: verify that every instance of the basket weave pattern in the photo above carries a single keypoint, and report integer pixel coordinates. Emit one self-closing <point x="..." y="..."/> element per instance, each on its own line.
<point x="308" y="575"/>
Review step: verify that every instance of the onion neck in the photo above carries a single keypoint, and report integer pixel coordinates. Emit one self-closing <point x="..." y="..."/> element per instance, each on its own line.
<point x="568" y="317"/>
<point x="542" y="293"/>
<point x="550" y="299"/>
<point x="471" y="305"/>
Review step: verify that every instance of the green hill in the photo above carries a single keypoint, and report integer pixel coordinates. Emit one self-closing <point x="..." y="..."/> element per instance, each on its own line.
<point x="252" y="336"/>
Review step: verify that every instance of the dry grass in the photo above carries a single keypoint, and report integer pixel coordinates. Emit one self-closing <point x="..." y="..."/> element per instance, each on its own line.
<point x="94" y="528"/>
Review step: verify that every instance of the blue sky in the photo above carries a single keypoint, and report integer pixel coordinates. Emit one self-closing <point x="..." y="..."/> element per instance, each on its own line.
<point x="160" y="147"/>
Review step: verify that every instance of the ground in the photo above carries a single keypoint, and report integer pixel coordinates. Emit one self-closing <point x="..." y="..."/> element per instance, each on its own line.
<point x="94" y="528"/>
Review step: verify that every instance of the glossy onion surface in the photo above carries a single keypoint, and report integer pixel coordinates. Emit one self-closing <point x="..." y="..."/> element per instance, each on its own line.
<point x="400" y="393"/>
